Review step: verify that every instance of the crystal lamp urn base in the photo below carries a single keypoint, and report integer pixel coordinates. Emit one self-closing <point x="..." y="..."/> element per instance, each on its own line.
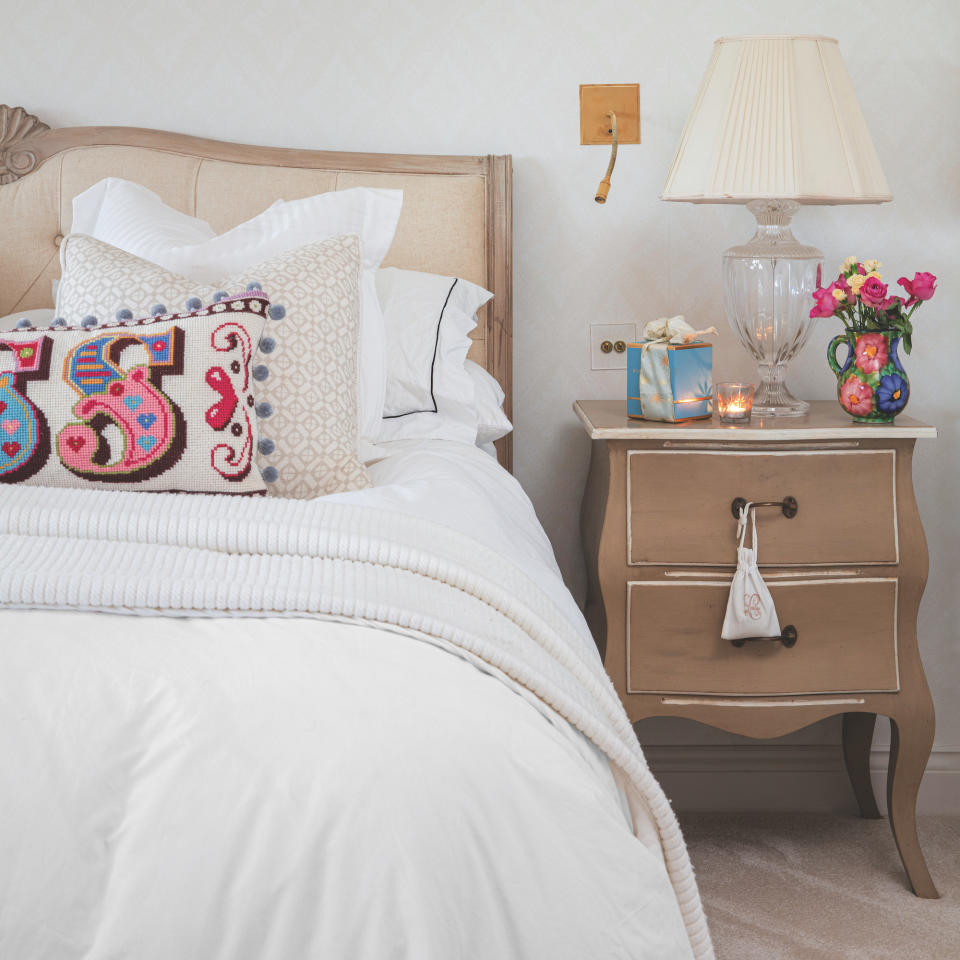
<point x="767" y="294"/>
<point x="773" y="397"/>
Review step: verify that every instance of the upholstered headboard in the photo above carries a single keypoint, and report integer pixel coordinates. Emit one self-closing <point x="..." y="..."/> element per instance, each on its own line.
<point x="456" y="219"/>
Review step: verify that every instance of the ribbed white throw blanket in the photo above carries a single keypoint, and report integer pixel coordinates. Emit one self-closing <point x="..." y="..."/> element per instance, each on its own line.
<point x="179" y="554"/>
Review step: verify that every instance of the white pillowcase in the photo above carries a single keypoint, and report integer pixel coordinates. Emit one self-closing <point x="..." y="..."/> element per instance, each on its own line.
<point x="427" y="321"/>
<point x="133" y="218"/>
<point x="492" y="422"/>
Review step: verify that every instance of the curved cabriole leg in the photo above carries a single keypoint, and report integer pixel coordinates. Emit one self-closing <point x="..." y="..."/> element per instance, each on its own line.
<point x="857" y="741"/>
<point x="910" y="746"/>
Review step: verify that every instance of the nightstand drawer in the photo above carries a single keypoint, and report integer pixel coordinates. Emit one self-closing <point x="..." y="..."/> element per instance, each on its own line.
<point x="846" y="639"/>
<point x="679" y="506"/>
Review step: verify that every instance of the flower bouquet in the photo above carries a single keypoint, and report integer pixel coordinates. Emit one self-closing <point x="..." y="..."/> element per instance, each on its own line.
<point x="871" y="384"/>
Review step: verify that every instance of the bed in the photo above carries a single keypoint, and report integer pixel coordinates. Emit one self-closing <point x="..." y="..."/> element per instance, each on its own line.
<point x="371" y="724"/>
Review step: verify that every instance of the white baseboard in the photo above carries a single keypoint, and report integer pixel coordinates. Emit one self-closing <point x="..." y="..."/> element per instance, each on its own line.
<point x="787" y="777"/>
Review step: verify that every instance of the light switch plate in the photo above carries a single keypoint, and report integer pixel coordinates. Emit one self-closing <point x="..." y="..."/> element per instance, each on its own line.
<point x="613" y="333"/>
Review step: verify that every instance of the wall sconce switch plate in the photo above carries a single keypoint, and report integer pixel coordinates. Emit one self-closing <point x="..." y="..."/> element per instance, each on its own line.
<point x="608" y="345"/>
<point x="597" y="100"/>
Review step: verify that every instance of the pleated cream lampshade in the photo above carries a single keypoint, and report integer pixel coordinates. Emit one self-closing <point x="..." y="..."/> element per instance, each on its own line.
<point x="776" y="117"/>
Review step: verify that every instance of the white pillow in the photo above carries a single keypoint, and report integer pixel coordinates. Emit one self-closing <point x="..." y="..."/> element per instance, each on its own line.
<point x="123" y="209"/>
<point x="492" y="422"/>
<point x="427" y="321"/>
<point x="134" y="219"/>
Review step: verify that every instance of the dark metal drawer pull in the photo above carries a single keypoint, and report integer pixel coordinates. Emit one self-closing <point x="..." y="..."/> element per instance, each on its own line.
<point x="788" y="505"/>
<point x="788" y="638"/>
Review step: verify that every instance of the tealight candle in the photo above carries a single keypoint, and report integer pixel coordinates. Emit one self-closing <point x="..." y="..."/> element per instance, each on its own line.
<point x="734" y="401"/>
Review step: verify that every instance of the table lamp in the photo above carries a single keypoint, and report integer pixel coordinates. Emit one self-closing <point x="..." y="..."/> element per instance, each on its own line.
<point x="775" y="124"/>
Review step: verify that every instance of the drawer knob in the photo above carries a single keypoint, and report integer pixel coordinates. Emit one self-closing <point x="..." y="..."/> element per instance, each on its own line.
<point x="788" y="505"/>
<point x="788" y="638"/>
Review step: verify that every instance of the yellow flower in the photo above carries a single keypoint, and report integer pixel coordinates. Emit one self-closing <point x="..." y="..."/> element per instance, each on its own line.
<point x="873" y="273"/>
<point x="839" y="294"/>
<point x="847" y="264"/>
<point x="856" y="282"/>
<point x="872" y="265"/>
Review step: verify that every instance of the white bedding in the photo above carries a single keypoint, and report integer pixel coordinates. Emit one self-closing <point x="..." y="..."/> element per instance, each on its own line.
<point x="293" y="788"/>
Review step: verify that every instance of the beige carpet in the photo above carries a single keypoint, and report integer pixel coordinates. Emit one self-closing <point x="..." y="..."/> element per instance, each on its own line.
<point x="816" y="887"/>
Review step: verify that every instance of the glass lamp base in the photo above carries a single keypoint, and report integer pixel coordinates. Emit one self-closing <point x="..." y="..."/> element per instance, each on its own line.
<point x="768" y="283"/>
<point x="774" y="399"/>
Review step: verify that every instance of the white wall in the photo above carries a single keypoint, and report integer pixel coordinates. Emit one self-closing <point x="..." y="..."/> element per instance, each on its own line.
<point x="501" y="76"/>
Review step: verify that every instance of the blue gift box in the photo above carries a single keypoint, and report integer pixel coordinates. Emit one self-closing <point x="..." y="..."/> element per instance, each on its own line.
<point x="669" y="381"/>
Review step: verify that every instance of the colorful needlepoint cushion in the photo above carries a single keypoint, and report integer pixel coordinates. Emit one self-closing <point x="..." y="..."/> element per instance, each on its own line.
<point x="306" y="371"/>
<point x="163" y="402"/>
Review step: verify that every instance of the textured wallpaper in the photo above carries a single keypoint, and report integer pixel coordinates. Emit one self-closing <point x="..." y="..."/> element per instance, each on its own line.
<point x="502" y="77"/>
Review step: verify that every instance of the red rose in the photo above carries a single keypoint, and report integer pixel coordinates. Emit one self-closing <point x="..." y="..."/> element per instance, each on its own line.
<point x="873" y="292"/>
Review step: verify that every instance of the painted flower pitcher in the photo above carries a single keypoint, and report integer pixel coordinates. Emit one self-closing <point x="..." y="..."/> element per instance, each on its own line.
<point x="871" y="384"/>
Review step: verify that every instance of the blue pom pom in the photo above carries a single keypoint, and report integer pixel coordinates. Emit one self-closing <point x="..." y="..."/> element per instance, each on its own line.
<point x="266" y="446"/>
<point x="254" y="286"/>
<point x="58" y="322"/>
<point x="264" y="410"/>
<point x="194" y="303"/>
<point x="276" y="311"/>
<point x="260" y="372"/>
<point x="24" y="323"/>
<point x="88" y="321"/>
<point x="270" y="474"/>
<point x="220" y="295"/>
<point x="125" y="314"/>
<point x="267" y="344"/>
<point x="157" y="309"/>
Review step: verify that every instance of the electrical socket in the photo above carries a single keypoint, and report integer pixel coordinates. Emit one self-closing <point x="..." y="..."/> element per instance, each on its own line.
<point x="613" y="334"/>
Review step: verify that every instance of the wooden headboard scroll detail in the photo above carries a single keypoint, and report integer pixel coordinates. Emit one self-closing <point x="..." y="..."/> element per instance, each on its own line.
<point x="26" y="143"/>
<point x="16" y="125"/>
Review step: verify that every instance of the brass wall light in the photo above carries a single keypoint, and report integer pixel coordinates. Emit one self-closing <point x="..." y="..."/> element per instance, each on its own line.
<point x="609" y="113"/>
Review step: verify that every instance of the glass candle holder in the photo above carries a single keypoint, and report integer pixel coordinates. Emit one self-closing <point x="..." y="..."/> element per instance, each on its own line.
<point x="734" y="401"/>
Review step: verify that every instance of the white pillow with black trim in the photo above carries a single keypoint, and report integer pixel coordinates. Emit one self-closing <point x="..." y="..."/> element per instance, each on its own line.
<point x="427" y="320"/>
<point x="492" y="422"/>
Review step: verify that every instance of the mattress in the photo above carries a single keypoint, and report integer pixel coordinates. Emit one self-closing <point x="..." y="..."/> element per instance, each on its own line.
<point x="283" y="787"/>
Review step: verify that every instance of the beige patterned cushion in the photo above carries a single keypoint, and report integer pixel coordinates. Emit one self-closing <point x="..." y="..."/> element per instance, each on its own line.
<point x="306" y="389"/>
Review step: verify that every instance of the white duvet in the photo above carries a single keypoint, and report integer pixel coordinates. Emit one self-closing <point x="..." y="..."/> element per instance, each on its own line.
<point x="276" y="789"/>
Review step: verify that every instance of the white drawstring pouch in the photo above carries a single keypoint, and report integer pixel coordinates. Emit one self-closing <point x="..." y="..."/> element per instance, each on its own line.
<point x="750" y="609"/>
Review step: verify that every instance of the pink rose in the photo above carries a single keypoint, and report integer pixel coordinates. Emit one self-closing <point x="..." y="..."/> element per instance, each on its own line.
<point x="922" y="287"/>
<point x="871" y="352"/>
<point x="892" y="303"/>
<point x="824" y="304"/>
<point x="841" y="284"/>
<point x="856" y="396"/>
<point x="873" y="292"/>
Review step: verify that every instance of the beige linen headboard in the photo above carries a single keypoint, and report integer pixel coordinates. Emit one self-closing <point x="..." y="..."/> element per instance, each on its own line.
<point x="456" y="219"/>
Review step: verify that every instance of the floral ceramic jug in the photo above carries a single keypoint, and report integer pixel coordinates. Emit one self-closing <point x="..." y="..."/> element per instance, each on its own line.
<point x="872" y="385"/>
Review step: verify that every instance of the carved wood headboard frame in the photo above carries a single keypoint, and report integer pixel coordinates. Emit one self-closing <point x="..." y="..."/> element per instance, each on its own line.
<point x="26" y="143"/>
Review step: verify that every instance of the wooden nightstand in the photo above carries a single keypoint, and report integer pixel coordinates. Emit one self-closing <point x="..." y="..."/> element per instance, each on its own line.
<point x="846" y="571"/>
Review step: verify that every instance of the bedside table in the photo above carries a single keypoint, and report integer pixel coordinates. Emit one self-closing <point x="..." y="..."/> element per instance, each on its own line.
<point x="841" y="549"/>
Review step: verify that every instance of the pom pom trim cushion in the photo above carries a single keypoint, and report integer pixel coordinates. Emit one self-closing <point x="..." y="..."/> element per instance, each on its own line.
<point x="162" y="402"/>
<point x="306" y="381"/>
